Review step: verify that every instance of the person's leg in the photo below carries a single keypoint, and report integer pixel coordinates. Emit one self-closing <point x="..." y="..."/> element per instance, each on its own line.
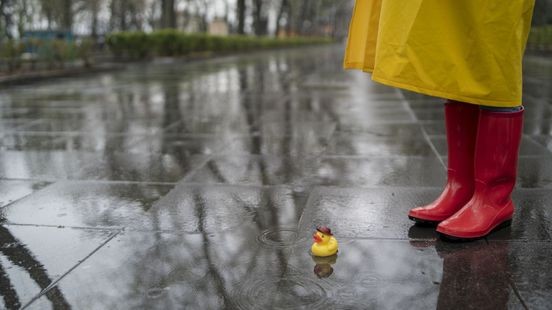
<point x="461" y="125"/>
<point x="496" y="156"/>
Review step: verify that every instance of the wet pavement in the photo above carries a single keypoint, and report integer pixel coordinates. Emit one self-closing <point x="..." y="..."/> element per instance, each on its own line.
<point x="198" y="186"/>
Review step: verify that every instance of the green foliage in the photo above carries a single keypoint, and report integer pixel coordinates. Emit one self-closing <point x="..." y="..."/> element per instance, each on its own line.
<point x="11" y="51"/>
<point x="51" y="53"/>
<point x="84" y="51"/>
<point x="132" y="45"/>
<point x="540" y="39"/>
<point x="138" y="45"/>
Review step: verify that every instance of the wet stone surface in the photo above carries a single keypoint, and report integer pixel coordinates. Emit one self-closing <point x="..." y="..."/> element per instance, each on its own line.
<point x="175" y="185"/>
<point x="11" y="191"/>
<point x="33" y="258"/>
<point x="365" y="212"/>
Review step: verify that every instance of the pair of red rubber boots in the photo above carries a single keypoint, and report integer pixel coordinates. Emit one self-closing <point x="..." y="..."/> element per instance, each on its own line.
<point x="483" y="147"/>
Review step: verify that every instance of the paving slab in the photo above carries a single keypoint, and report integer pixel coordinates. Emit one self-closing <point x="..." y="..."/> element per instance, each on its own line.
<point x="379" y="171"/>
<point x="89" y="204"/>
<point x="527" y="264"/>
<point x="225" y="269"/>
<point x="48" y="165"/>
<point x="253" y="170"/>
<point x="366" y="212"/>
<point x="34" y="258"/>
<point x="368" y="145"/>
<point x="13" y="190"/>
<point x="402" y="274"/>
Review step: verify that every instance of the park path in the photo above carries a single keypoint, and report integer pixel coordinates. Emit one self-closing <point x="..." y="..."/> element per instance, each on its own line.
<point x="198" y="185"/>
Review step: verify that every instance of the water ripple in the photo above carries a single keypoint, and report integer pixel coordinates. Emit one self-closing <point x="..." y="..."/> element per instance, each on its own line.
<point x="280" y="237"/>
<point x="289" y="292"/>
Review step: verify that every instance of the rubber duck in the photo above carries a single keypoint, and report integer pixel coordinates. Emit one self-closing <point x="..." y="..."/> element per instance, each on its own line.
<point x="324" y="242"/>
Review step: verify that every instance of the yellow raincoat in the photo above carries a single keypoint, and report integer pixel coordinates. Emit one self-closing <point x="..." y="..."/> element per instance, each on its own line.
<point x="465" y="50"/>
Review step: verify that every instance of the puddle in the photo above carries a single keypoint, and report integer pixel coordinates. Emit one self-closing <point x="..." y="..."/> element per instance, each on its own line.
<point x="290" y="292"/>
<point x="280" y="238"/>
<point x="155" y="293"/>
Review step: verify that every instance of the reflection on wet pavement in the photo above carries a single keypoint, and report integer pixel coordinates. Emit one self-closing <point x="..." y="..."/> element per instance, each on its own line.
<point x="197" y="186"/>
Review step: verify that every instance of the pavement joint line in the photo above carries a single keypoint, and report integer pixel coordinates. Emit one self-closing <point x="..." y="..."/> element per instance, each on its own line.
<point x="32" y="179"/>
<point x="25" y="125"/>
<point x="142" y="139"/>
<point x="377" y="187"/>
<point x="56" y="281"/>
<point x="112" y="229"/>
<point x="40" y="133"/>
<point x="523" y="241"/>
<point x="25" y="180"/>
<point x="392" y="122"/>
<point x="76" y="133"/>
<point x="532" y="139"/>
<point x="413" y="115"/>
<point x="516" y="292"/>
<point x="518" y="295"/>
<point x="536" y="189"/>
<point x="120" y="182"/>
<point x="243" y="185"/>
<point x="193" y="171"/>
<point x="99" y="181"/>
<point x="169" y="127"/>
<point x="376" y="156"/>
<point x="24" y="197"/>
<point x="306" y="206"/>
<point x="522" y="156"/>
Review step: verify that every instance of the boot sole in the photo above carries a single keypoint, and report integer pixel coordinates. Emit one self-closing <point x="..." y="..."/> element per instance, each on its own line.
<point x="422" y="222"/>
<point x="450" y="238"/>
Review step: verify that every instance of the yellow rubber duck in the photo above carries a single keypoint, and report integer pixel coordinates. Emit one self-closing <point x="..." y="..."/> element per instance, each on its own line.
<point x="324" y="242"/>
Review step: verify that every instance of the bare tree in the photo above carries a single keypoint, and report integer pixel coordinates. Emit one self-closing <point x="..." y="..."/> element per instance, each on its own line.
<point x="260" y="20"/>
<point x="241" y="11"/>
<point x="282" y="11"/>
<point x="58" y="13"/>
<point x="6" y="18"/>
<point x="202" y="9"/>
<point x="94" y="7"/>
<point x="168" y="14"/>
<point x="67" y="15"/>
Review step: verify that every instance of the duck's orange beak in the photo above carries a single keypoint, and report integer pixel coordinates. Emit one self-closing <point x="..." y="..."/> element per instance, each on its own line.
<point x="316" y="238"/>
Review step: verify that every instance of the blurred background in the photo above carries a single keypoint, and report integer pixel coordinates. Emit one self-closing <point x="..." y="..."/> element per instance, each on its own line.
<point x="39" y="34"/>
<point x="96" y="18"/>
<point x="50" y="34"/>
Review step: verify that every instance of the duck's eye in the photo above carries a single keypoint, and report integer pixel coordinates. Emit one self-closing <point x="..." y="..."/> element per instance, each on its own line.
<point x="322" y="236"/>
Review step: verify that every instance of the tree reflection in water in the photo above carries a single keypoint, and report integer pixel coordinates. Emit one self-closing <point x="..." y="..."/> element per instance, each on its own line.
<point x="19" y="255"/>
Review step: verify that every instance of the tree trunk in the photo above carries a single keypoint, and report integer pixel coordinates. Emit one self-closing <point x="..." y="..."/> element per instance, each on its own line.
<point x="259" y="20"/>
<point x="67" y="18"/>
<point x="283" y="8"/>
<point x="123" y="23"/>
<point x="168" y="14"/>
<point x="22" y="19"/>
<point x="113" y="14"/>
<point x="257" y="16"/>
<point x="95" y="8"/>
<point x="289" y="24"/>
<point x="7" y="17"/>
<point x="2" y="26"/>
<point x="304" y="17"/>
<point x="241" y="16"/>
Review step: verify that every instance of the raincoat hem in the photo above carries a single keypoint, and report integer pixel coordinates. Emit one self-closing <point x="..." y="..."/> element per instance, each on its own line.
<point x="357" y="66"/>
<point x="445" y="95"/>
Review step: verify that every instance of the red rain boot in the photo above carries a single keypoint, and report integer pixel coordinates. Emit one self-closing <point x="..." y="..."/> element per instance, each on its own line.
<point x="496" y="155"/>
<point x="461" y="124"/>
